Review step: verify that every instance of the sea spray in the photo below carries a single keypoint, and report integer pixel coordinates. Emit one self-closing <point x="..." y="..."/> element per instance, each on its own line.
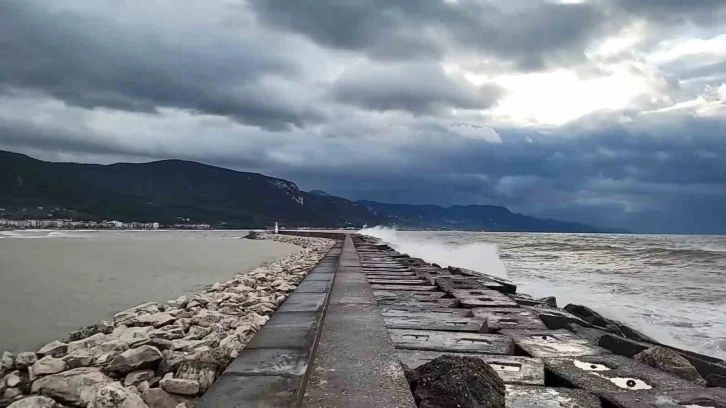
<point x="481" y="256"/>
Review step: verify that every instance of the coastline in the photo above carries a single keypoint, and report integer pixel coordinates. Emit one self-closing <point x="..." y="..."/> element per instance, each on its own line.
<point x="188" y="340"/>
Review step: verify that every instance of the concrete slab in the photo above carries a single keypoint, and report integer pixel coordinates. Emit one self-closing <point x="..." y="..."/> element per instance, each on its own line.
<point x="421" y="321"/>
<point x="232" y="391"/>
<point x="270" y="361"/>
<point x="511" y="369"/>
<point x="609" y="376"/>
<point x="356" y="364"/>
<point x="510" y="318"/>
<point x="284" y="337"/>
<point x="415" y="288"/>
<point x="420" y="303"/>
<point x="440" y="312"/>
<point x="313" y="286"/>
<point x="326" y="277"/>
<point x="385" y="281"/>
<point x="451" y="341"/>
<point x="519" y="396"/>
<point x="482" y="298"/>
<point x="351" y="289"/>
<point x="293" y="319"/>
<point x="399" y="294"/>
<point x="694" y="398"/>
<point x="448" y="283"/>
<point x="303" y="302"/>
<point x="552" y="343"/>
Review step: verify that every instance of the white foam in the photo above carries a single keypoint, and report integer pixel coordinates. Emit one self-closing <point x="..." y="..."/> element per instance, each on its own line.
<point x="481" y="256"/>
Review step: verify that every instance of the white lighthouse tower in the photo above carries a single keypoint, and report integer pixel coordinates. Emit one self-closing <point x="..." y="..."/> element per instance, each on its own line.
<point x="276" y="229"/>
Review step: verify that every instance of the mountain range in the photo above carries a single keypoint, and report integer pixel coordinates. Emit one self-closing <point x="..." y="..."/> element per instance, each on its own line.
<point x="172" y="190"/>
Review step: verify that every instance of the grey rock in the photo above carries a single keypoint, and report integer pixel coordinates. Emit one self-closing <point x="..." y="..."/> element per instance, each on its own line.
<point x="671" y="362"/>
<point x="7" y="362"/>
<point x="161" y="344"/>
<point x="550" y="301"/>
<point x="138" y="376"/>
<point x="126" y="315"/>
<point x="171" y="361"/>
<point x="456" y="382"/>
<point x="206" y="318"/>
<point x="202" y="372"/>
<point x="48" y="365"/>
<point x="34" y="402"/>
<point x="103" y="327"/>
<point x="171" y="332"/>
<point x="79" y="358"/>
<point x="136" y="336"/>
<point x="156" y="319"/>
<point x="54" y="349"/>
<point x="88" y="342"/>
<point x="135" y="359"/>
<point x="13" y="379"/>
<point x="25" y="360"/>
<point x="143" y="386"/>
<point x="104" y="353"/>
<point x="158" y="398"/>
<point x="76" y="387"/>
<point x="179" y="386"/>
<point x="115" y="396"/>
<point x="12" y="393"/>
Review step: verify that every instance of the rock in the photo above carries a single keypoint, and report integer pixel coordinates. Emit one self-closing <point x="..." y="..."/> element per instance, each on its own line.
<point x="7" y="362"/>
<point x="189" y="345"/>
<point x="104" y="353"/>
<point x="179" y="386"/>
<point x="103" y="327"/>
<point x="205" y="318"/>
<point x="550" y="301"/>
<point x="136" y="336"/>
<point x="158" y="398"/>
<point x="25" y="360"/>
<point x="171" y="362"/>
<point x="202" y="372"/>
<point x="126" y="315"/>
<point x="670" y="362"/>
<point x="13" y="379"/>
<point x="115" y="396"/>
<point x="157" y="320"/>
<point x="615" y="327"/>
<point x="172" y="332"/>
<point x="12" y="393"/>
<point x="88" y="342"/>
<point x="135" y="359"/>
<point x="54" y="349"/>
<point x="79" y="358"/>
<point x="161" y="344"/>
<point x="76" y="387"/>
<point x="182" y="301"/>
<point x="457" y="382"/>
<point x="48" y="365"/>
<point x="138" y="376"/>
<point x="34" y="402"/>
<point x="181" y="405"/>
<point x="197" y="333"/>
<point x="143" y="386"/>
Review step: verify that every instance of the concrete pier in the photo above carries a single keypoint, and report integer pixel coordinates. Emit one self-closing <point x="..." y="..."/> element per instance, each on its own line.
<point x="345" y="335"/>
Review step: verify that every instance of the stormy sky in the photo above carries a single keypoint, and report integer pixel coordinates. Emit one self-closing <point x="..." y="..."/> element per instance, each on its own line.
<point x="610" y="112"/>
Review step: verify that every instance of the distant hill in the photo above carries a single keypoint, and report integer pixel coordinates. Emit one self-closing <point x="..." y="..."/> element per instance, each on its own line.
<point x="172" y="190"/>
<point x="470" y="217"/>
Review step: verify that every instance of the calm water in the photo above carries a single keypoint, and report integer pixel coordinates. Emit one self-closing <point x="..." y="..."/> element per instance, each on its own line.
<point x="671" y="287"/>
<point x="53" y="282"/>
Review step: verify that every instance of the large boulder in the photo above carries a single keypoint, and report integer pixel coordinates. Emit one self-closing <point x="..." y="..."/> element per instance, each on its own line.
<point x="179" y="386"/>
<point x="48" y="365"/>
<point x="138" y="376"/>
<point x="156" y="319"/>
<point x="126" y="315"/>
<point x="116" y="396"/>
<point x="135" y="359"/>
<point x="670" y="361"/>
<point x="613" y="326"/>
<point x="88" y="342"/>
<point x="136" y="336"/>
<point x="34" y="402"/>
<point x="25" y="360"/>
<point x="88" y="331"/>
<point x="77" y="387"/>
<point x="54" y="349"/>
<point x="12" y="380"/>
<point x="106" y="352"/>
<point x="79" y="358"/>
<point x="206" y="318"/>
<point x="158" y="398"/>
<point x="171" y="332"/>
<point x="457" y="382"/>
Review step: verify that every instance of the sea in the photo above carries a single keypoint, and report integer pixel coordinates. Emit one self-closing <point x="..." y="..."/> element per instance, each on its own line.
<point x="54" y="282"/>
<point x="671" y="287"/>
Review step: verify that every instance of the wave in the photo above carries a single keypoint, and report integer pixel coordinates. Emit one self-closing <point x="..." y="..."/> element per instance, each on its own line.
<point x="481" y="256"/>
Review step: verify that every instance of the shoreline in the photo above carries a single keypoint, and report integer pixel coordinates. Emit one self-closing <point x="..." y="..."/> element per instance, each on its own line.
<point x="188" y="340"/>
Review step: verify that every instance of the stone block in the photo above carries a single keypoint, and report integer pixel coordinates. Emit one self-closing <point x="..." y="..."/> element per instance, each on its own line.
<point x="386" y="281"/>
<point x="326" y="277"/>
<point x="519" y="396"/>
<point x="511" y="369"/>
<point x="440" y="312"/>
<point x="314" y="286"/>
<point x="423" y="321"/>
<point x="284" y="337"/>
<point x="419" y="303"/>
<point x="472" y="298"/>
<point x="510" y="318"/>
<point x="553" y="343"/>
<point x="451" y="341"/>
<point x="413" y="288"/>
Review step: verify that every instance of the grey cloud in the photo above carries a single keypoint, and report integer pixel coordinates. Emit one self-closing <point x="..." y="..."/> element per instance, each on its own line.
<point x="417" y="88"/>
<point x="529" y="36"/>
<point x="99" y="63"/>
<point x="660" y="11"/>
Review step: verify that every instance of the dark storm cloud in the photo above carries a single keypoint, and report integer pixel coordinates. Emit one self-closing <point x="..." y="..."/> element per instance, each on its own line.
<point x="90" y="62"/>
<point x="416" y="88"/>
<point x="404" y="29"/>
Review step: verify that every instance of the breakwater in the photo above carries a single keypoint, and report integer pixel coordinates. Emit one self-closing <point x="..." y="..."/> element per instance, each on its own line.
<point x="157" y="354"/>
